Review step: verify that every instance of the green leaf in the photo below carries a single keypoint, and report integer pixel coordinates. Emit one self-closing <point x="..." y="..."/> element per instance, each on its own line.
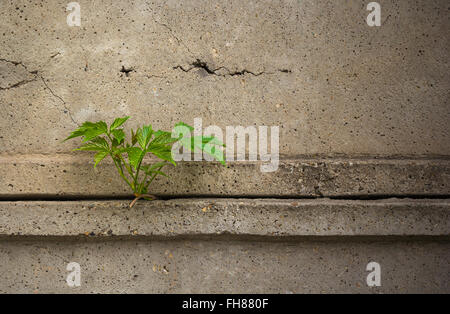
<point x="133" y="138"/>
<point x="99" y="157"/>
<point x="101" y="125"/>
<point x="149" y="170"/>
<point x="119" y="136"/>
<point x="215" y="152"/>
<point x="158" y="165"/>
<point x="163" y="152"/>
<point x="90" y="147"/>
<point x="118" y="122"/>
<point x="81" y="131"/>
<point x="207" y="144"/>
<point x="186" y="125"/>
<point x="89" y="131"/>
<point x="159" y="172"/>
<point x="98" y="144"/>
<point x="134" y="156"/>
<point x="163" y="137"/>
<point x="212" y="141"/>
<point x="144" y="135"/>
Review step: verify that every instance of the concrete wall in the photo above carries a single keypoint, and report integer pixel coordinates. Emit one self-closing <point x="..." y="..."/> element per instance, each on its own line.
<point x="363" y="114"/>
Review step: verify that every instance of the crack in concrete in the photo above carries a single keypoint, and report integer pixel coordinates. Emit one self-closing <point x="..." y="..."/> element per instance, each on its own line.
<point x="36" y="77"/>
<point x="18" y="84"/>
<point x="198" y="64"/>
<point x="23" y="82"/>
<point x="60" y="98"/>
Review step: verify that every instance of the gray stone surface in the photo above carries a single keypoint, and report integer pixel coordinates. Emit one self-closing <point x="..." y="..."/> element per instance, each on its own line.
<point x="217" y="266"/>
<point x="69" y="176"/>
<point x="315" y="68"/>
<point x="193" y="217"/>
<point x="363" y="112"/>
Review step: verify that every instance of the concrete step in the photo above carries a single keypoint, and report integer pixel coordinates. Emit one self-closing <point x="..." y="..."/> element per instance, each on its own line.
<point x="242" y="217"/>
<point x="225" y="246"/>
<point x="69" y="175"/>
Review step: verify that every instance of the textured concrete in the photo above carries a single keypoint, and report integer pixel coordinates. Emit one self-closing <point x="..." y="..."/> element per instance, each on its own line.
<point x="65" y="175"/>
<point x="216" y="266"/>
<point x="363" y="113"/>
<point x="315" y="68"/>
<point x="271" y="218"/>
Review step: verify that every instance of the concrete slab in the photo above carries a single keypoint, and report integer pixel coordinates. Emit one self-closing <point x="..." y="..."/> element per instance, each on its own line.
<point x="69" y="176"/>
<point x="331" y="83"/>
<point x="241" y="217"/>
<point x="212" y="266"/>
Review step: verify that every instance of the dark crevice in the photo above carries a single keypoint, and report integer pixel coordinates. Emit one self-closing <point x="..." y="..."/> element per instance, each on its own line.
<point x="23" y="82"/>
<point x="227" y="237"/>
<point x="57" y="198"/>
<point x="18" y="84"/>
<point x="126" y="71"/>
<point x="199" y="64"/>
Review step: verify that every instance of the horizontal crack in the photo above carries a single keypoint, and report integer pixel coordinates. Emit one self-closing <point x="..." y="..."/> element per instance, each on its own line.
<point x="18" y="84"/>
<point x="67" y="198"/>
<point x="198" y="64"/>
<point x="23" y="82"/>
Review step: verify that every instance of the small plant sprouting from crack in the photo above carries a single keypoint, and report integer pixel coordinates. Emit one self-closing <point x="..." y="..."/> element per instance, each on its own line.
<point x="128" y="157"/>
<point x="127" y="71"/>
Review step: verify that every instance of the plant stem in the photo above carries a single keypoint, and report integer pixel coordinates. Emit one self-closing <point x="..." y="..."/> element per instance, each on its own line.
<point x="139" y="196"/>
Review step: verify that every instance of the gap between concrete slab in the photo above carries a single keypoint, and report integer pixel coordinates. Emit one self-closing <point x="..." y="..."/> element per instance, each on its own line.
<point x="74" y="198"/>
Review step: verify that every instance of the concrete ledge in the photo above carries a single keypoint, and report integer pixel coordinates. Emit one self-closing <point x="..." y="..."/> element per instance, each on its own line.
<point x="70" y="175"/>
<point x="194" y="217"/>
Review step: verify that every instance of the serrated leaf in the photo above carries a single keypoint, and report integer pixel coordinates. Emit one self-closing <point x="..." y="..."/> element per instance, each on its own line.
<point x="97" y="144"/>
<point x="163" y="137"/>
<point x="119" y="135"/>
<point x="101" y="125"/>
<point x="144" y="136"/>
<point x="118" y="122"/>
<point x="92" y="130"/>
<point x="207" y="144"/>
<point x="99" y="157"/>
<point x="163" y="152"/>
<point x="134" y="155"/>
<point x="81" y="130"/>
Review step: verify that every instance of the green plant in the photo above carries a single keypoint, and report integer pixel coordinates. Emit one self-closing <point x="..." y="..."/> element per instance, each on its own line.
<point x="128" y="157"/>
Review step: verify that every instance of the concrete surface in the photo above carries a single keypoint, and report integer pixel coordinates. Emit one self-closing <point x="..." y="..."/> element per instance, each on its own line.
<point x="363" y="113"/>
<point x="315" y="68"/>
<point x="74" y="176"/>
<point x="242" y="217"/>
<point x="217" y="266"/>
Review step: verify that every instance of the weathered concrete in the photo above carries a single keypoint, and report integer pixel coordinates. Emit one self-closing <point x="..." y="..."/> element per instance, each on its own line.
<point x="279" y="218"/>
<point x="363" y="112"/>
<point x="65" y="175"/>
<point x="224" y="266"/>
<point x="315" y="68"/>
